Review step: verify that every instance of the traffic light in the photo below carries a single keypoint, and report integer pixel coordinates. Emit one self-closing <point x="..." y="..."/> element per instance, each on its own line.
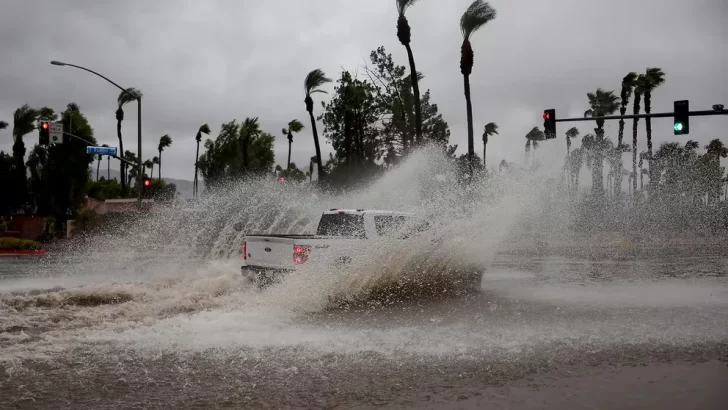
<point x="549" y="123"/>
<point x="44" y="133"/>
<point x="681" y="115"/>
<point x="147" y="182"/>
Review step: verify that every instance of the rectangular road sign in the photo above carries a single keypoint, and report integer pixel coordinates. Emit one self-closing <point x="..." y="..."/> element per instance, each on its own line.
<point x="55" y="132"/>
<point x="101" y="151"/>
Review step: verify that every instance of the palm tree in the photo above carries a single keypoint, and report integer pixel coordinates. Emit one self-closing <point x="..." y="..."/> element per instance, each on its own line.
<point x="602" y="103"/>
<point x="532" y="138"/>
<point x="164" y="142"/>
<point x="404" y="34"/>
<point x="23" y="123"/>
<point x="293" y="126"/>
<point x="249" y="129"/>
<point x="155" y="161"/>
<point x="131" y="157"/>
<point x="98" y="163"/>
<point x="654" y="77"/>
<point x="204" y="129"/>
<point x="123" y="99"/>
<point x="474" y="18"/>
<point x="108" y="167"/>
<point x="148" y="164"/>
<point x="572" y="132"/>
<point x="628" y="85"/>
<point x="490" y="128"/>
<point x="639" y="86"/>
<point x="313" y="81"/>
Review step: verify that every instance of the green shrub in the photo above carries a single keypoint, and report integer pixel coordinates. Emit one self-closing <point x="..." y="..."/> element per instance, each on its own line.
<point x="15" y="244"/>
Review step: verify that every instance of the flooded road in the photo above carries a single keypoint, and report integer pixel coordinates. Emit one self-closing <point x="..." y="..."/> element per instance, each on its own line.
<point x="146" y="331"/>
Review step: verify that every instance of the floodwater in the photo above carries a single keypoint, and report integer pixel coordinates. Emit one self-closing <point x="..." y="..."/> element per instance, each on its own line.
<point x="147" y="330"/>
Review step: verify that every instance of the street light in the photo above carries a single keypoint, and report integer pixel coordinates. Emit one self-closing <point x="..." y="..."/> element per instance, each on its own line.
<point x="139" y="129"/>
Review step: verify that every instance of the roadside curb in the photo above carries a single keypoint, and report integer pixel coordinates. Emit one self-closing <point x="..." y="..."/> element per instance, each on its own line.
<point x="7" y="252"/>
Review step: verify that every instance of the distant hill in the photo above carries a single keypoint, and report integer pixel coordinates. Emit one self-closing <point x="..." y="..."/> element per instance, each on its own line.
<point x="184" y="186"/>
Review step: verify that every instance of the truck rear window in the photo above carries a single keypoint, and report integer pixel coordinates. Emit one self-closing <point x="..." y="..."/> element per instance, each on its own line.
<point x="343" y="225"/>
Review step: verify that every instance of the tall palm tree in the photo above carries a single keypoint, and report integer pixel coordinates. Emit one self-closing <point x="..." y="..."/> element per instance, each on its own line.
<point x="313" y="81"/>
<point x="532" y="139"/>
<point x="204" y="129"/>
<point x="23" y="123"/>
<point x="475" y="17"/>
<point x="249" y="129"/>
<point x="131" y="157"/>
<point x="164" y="142"/>
<point x="293" y="126"/>
<point x="628" y="84"/>
<point x="654" y="77"/>
<point x="571" y="133"/>
<point x="155" y="161"/>
<point x="490" y="128"/>
<point x="98" y="162"/>
<point x="602" y="103"/>
<point x="404" y="34"/>
<point x="148" y="164"/>
<point x="123" y="99"/>
<point x="639" y="86"/>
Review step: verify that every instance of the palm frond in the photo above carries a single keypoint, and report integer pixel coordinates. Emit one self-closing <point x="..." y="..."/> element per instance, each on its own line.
<point x="295" y="126"/>
<point x="164" y="142"/>
<point x="403" y="5"/>
<point x="314" y="80"/>
<point x="3" y="125"/>
<point x="205" y="129"/>
<point x="124" y="97"/>
<point x="477" y="15"/>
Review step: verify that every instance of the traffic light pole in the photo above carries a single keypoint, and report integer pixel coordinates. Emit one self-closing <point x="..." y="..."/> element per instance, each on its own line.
<point x="650" y="115"/>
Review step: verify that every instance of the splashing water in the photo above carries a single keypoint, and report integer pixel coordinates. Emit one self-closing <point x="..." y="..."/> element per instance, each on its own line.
<point x="171" y="280"/>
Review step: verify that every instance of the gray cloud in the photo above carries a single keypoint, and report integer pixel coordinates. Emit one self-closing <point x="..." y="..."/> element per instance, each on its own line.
<point x="209" y="62"/>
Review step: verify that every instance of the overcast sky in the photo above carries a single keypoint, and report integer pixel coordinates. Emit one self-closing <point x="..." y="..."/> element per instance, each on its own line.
<point x="211" y="61"/>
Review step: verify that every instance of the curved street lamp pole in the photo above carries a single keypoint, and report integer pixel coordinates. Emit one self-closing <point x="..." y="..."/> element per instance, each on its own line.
<point x="139" y="124"/>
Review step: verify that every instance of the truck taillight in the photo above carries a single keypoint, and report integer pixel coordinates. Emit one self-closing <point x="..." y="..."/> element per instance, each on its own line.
<point x="245" y="250"/>
<point x="300" y="253"/>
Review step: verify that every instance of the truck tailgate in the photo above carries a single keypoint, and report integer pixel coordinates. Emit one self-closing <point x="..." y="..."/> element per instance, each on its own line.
<point x="269" y="252"/>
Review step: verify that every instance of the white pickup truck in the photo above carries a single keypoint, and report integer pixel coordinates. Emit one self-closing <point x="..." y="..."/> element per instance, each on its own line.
<point x="337" y="240"/>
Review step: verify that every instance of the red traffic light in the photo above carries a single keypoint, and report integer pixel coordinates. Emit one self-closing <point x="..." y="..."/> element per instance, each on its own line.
<point x="546" y="116"/>
<point x="44" y="125"/>
<point x="147" y="182"/>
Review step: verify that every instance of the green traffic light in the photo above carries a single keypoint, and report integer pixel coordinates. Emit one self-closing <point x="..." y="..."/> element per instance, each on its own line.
<point x="678" y="126"/>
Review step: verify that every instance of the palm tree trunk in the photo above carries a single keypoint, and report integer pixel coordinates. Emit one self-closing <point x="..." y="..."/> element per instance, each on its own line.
<point x="485" y="146"/>
<point x="197" y="158"/>
<point x="319" y="166"/>
<point x="469" y="108"/>
<point x="416" y="92"/>
<point x="160" y="164"/>
<point x="648" y="130"/>
<point x="290" y="142"/>
<point x="635" y="122"/>
<point x="98" y="166"/>
<point x="108" y="168"/>
<point x="122" y="167"/>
